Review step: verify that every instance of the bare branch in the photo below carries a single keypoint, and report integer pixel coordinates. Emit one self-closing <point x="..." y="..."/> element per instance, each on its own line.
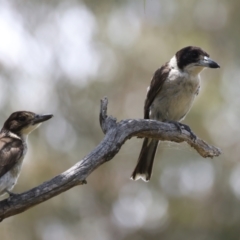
<point x="116" y="133"/>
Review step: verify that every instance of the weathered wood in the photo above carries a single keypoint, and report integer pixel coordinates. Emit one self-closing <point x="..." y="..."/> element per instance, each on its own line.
<point x="116" y="133"/>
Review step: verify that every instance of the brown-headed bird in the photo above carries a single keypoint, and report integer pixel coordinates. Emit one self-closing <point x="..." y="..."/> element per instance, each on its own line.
<point x="13" y="146"/>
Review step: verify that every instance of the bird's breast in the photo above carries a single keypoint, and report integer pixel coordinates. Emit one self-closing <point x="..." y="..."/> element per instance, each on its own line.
<point x="175" y="98"/>
<point x="9" y="179"/>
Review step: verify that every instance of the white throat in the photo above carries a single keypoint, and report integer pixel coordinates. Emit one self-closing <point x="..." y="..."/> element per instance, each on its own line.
<point x="26" y="131"/>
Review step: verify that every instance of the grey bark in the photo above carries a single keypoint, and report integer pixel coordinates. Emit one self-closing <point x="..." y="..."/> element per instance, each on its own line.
<point x="116" y="133"/>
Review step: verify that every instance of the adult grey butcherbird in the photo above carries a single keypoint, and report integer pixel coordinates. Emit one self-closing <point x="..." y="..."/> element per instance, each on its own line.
<point x="170" y="96"/>
<point x="13" y="146"/>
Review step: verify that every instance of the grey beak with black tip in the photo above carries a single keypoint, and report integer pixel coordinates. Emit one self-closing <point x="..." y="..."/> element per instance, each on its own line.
<point x="208" y="62"/>
<point x="41" y="118"/>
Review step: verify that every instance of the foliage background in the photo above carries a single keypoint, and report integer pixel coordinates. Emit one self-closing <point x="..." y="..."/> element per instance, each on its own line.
<point x="62" y="57"/>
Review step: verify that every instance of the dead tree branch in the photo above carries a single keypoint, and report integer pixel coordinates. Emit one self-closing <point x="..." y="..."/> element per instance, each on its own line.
<point x="116" y="133"/>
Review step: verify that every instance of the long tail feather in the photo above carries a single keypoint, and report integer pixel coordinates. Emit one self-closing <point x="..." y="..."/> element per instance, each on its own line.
<point x="143" y="170"/>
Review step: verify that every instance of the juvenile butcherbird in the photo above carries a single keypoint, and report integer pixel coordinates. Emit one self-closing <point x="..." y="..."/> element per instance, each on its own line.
<point x="13" y="146"/>
<point x="170" y="96"/>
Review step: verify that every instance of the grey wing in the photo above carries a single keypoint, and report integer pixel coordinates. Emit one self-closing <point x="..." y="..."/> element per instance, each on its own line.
<point x="156" y="84"/>
<point x="11" y="150"/>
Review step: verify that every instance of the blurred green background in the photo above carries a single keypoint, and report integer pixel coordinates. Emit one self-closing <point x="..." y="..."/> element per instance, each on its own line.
<point x="62" y="57"/>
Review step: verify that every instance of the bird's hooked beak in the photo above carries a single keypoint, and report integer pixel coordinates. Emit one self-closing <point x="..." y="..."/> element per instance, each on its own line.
<point x="41" y="118"/>
<point x="208" y="62"/>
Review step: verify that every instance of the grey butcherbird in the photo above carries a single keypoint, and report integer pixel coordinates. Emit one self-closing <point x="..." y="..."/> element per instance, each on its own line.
<point x="170" y="96"/>
<point x="13" y="145"/>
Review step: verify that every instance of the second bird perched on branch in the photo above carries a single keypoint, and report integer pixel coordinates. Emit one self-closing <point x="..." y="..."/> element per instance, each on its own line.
<point x="13" y="146"/>
<point x="170" y="96"/>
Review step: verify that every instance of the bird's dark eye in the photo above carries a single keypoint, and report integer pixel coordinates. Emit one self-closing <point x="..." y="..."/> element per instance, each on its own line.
<point x="21" y="119"/>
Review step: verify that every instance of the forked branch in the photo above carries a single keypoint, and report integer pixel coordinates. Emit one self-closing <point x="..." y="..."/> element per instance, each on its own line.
<point x="116" y="133"/>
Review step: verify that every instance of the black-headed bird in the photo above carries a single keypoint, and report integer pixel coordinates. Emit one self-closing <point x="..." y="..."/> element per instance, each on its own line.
<point x="170" y="96"/>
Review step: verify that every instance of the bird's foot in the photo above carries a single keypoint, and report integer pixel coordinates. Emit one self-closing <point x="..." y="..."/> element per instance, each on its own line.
<point x="181" y="126"/>
<point x="188" y="129"/>
<point x="84" y="182"/>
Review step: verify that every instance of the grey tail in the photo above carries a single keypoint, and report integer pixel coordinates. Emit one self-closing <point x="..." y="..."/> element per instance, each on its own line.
<point x="144" y="166"/>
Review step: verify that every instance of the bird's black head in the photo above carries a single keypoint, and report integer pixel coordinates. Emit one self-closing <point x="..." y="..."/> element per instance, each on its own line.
<point x="24" y="122"/>
<point x="194" y="57"/>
